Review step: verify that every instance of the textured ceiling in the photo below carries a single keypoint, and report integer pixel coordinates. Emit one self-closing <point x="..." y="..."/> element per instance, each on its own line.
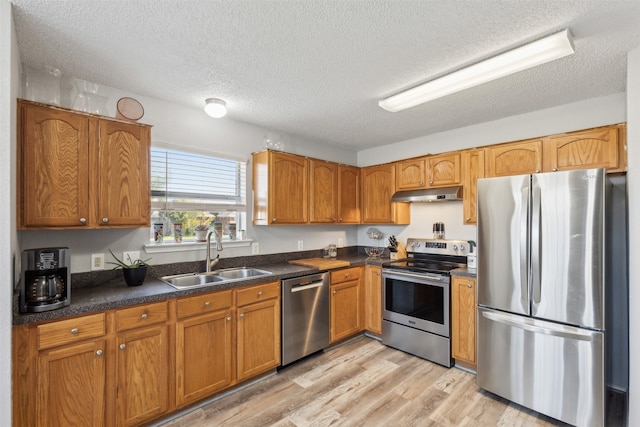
<point x="316" y="68"/>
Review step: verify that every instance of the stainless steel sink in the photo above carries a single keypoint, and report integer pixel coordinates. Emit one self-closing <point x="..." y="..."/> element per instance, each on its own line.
<point x="196" y="280"/>
<point x="240" y="273"/>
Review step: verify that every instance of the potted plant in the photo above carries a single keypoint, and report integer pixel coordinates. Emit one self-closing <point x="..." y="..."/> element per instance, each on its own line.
<point x="201" y="232"/>
<point x="134" y="271"/>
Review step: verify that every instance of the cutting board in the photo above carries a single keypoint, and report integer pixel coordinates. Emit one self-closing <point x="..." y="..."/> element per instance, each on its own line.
<point x="321" y="263"/>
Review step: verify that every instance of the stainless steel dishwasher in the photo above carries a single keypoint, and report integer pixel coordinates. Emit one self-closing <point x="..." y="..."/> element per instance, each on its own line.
<point x="305" y="316"/>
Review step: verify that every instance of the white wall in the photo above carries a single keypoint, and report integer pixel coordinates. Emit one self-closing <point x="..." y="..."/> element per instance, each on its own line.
<point x="192" y="128"/>
<point x="9" y="70"/>
<point x="565" y="118"/>
<point x="633" y="189"/>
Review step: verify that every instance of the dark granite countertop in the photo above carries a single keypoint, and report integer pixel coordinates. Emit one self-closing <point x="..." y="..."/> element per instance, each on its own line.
<point x="466" y="272"/>
<point x="114" y="292"/>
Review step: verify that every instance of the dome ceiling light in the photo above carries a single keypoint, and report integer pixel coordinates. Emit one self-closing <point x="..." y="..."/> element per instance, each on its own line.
<point x="215" y="107"/>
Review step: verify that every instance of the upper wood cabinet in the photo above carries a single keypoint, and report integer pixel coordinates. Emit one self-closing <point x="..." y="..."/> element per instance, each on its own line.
<point x="378" y="186"/>
<point x="280" y="188"/>
<point x="514" y="158"/>
<point x="443" y="170"/>
<point x="80" y="171"/>
<point x="473" y="168"/>
<point x="348" y="194"/>
<point x="411" y="174"/>
<point x="592" y="148"/>
<point x="323" y="185"/>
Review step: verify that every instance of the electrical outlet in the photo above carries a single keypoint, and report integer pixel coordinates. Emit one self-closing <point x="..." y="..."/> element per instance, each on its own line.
<point x="300" y="245"/>
<point x="341" y="243"/>
<point x="97" y="262"/>
<point x="130" y="256"/>
<point x="255" y="248"/>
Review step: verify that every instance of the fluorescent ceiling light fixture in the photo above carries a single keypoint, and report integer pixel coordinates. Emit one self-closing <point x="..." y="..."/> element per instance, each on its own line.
<point x="539" y="52"/>
<point x="215" y="107"/>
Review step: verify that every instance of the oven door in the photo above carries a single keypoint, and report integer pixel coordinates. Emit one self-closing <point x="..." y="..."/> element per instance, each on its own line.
<point x="417" y="300"/>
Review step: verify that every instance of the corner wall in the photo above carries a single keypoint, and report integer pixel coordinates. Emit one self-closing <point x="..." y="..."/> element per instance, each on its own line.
<point x="633" y="191"/>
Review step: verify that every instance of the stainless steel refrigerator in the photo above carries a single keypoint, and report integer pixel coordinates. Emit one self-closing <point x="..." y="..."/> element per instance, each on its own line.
<point x="541" y="292"/>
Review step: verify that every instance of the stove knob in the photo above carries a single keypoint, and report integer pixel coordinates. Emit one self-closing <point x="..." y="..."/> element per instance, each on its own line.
<point x="462" y="248"/>
<point x="455" y="248"/>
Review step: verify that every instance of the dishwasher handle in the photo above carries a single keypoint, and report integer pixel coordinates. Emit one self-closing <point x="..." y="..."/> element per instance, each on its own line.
<point x="305" y="286"/>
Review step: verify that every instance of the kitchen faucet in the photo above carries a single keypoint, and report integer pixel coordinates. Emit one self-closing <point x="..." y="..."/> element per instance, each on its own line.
<point x="211" y="263"/>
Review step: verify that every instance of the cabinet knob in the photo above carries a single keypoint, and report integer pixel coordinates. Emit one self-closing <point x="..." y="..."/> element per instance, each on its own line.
<point x="207" y="304"/>
<point x="346" y="275"/>
<point x="468" y="219"/>
<point x="430" y="182"/>
<point x="74" y="331"/>
<point x="421" y="183"/>
<point x="537" y="170"/>
<point x="122" y="346"/>
<point x="229" y="318"/>
<point x="273" y="220"/>
<point x="260" y="293"/>
<point x="242" y="315"/>
<point x="334" y="292"/>
<point x="555" y="169"/>
<point x="105" y="220"/>
<point x="144" y="316"/>
<point x="333" y="219"/>
<point x="99" y="353"/>
<point x="83" y="220"/>
<point x="377" y="274"/>
<point x="468" y="286"/>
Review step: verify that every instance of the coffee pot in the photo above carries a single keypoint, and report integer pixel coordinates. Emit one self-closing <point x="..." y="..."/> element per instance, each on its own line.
<point x="46" y="283"/>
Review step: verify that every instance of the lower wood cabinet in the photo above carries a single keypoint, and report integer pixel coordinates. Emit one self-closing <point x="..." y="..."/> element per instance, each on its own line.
<point x="346" y="315"/>
<point x="373" y="299"/>
<point x="463" y="319"/>
<point x="128" y="366"/>
<point x="70" y="385"/>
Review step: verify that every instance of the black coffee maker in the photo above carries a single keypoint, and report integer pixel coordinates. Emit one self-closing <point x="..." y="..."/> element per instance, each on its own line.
<point x="46" y="279"/>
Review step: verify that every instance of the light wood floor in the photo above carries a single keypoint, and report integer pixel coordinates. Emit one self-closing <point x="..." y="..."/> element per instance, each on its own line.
<point x="363" y="383"/>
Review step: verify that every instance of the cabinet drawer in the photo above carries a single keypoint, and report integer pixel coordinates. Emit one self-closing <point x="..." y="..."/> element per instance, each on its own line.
<point x="68" y="331"/>
<point x="206" y="303"/>
<point x="258" y="293"/>
<point x="345" y="275"/>
<point x="141" y="315"/>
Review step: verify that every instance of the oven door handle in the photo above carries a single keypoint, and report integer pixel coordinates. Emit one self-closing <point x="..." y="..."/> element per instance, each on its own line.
<point x="417" y="276"/>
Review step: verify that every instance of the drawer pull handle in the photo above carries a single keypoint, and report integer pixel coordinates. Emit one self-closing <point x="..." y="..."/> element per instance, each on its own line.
<point x="144" y="316"/>
<point x="74" y="331"/>
<point x="207" y="303"/>
<point x="122" y="346"/>
<point x="99" y="353"/>
<point x="260" y="293"/>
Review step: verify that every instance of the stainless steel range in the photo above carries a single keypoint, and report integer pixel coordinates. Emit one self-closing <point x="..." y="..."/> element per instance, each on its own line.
<point x="415" y="298"/>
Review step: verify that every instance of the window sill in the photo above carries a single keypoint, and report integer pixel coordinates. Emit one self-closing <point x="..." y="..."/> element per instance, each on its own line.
<point x="152" y="248"/>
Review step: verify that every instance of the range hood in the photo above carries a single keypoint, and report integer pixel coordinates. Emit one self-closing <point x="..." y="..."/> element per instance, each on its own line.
<point x="446" y="194"/>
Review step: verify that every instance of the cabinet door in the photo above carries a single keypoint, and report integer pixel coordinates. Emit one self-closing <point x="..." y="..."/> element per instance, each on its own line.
<point x="443" y="170"/>
<point x="258" y="338"/>
<point x="411" y="174"/>
<point x="346" y="310"/>
<point x="123" y="175"/>
<point x="203" y="355"/>
<point x="514" y="159"/>
<point x="288" y="197"/>
<point x="53" y="160"/>
<point x="348" y="194"/>
<point x="593" y="148"/>
<point x="473" y="168"/>
<point x="142" y="360"/>
<point x="71" y="385"/>
<point x="373" y="299"/>
<point x="463" y="319"/>
<point x="378" y="186"/>
<point x="323" y="181"/>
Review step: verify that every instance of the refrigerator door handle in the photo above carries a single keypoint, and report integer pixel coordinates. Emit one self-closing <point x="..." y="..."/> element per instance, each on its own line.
<point x="524" y="247"/>
<point x="536" y="244"/>
<point x="531" y="325"/>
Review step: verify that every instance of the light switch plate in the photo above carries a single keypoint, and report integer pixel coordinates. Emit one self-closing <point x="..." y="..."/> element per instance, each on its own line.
<point x="300" y="245"/>
<point x="341" y="243"/>
<point x="97" y="262"/>
<point x="255" y="248"/>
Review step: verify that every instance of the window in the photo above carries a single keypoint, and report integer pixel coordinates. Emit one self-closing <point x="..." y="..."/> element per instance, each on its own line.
<point x="193" y="189"/>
